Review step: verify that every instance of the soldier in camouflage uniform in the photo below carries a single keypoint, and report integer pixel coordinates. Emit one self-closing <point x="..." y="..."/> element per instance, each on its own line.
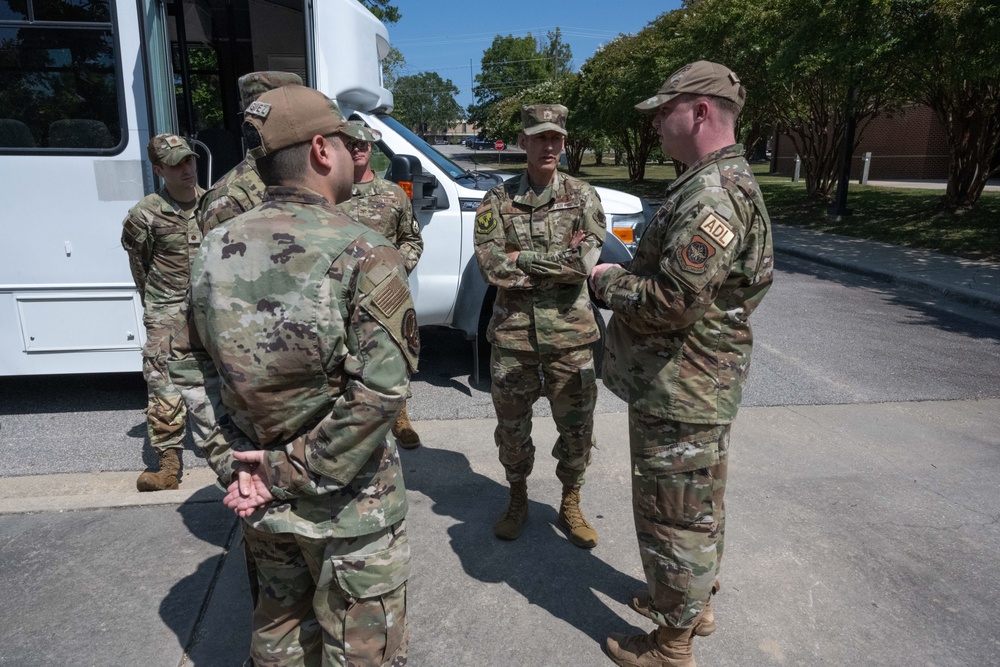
<point x="241" y="189"/>
<point x="303" y="337"/>
<point x="383" y="206"/>
<point x="537" y="237"/>
<point x="161" y="236"/>
<point x="678" y="352"/>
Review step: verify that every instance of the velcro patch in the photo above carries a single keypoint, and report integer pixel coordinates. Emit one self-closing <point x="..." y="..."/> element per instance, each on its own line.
<point x="696" y="254"/>
<point x="173" y="141"/>
<point x="717" y="230"/>
<point x="411" y="332"/>
<point x="486" y="222"/>
<point x="259" y="109"/>
<point x="390" y="295"/>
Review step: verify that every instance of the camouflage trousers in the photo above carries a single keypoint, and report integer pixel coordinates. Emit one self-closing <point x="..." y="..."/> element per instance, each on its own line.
<point x="678" y="484"/>
<point x="333" y="601"/>
<point x="570" y="383"/>
<point x="165" y="411"/>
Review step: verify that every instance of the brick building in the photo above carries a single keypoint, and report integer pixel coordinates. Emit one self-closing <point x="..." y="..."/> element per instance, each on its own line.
<point x="910" y="144"/>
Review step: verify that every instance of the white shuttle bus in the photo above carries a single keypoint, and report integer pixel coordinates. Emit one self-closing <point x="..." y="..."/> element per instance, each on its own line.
<point x="84" y="84"/>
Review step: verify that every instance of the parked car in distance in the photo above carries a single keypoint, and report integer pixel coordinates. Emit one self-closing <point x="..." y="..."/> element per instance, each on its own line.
<point x="479" y="144"/>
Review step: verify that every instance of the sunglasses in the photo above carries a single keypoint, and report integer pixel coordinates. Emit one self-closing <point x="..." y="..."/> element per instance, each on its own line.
<point x="362" y="146"/>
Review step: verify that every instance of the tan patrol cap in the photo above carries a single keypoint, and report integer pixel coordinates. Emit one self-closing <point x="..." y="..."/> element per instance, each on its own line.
<point x="292" y="115"/>
<point x="698" y="78"/>
<point x="370" y="134"/>
<point x="537" y="118"/>
<point x="255" y="84"/>
<point x="168" y="149"/>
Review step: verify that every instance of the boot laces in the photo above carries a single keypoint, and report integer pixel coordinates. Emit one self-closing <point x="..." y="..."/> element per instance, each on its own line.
<point x="518" y="503"/>
<point x="571" y="510"/>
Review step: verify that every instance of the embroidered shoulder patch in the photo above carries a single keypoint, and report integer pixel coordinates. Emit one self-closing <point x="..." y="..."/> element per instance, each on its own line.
<point x="411" y="333"/>
<point x="486" y="222"/>
<point x="717" y="230"/>
<point x="390" y="295"/>
<point x="696" y="254"/>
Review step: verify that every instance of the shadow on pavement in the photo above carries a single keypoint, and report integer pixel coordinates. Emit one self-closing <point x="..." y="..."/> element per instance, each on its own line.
<point x="72" y="393"/>
<point x="542" y="565"/>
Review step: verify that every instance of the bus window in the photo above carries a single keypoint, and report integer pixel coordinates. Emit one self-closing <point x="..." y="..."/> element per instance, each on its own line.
<point x="59" y="87"/>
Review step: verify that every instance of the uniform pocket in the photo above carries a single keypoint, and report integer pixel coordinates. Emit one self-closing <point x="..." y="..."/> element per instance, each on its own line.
<point x="674" y="484"/>
<point x="375" y="586"/>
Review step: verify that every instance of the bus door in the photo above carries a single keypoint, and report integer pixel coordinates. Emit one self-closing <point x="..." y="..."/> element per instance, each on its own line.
<point x="206" y="45"/>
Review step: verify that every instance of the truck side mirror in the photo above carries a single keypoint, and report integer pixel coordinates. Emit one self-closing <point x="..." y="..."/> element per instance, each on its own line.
<point x="409" y="175"/>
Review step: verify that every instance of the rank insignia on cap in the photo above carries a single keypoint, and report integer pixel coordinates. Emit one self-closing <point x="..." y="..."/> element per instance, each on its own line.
<point x="547" y="114"/>
<point x="717" y="230"/>
<point x="259" y="109"/>
<point x="485" y="222"/>
<point x="696" y="254"/>
<point x="173" y="141"/>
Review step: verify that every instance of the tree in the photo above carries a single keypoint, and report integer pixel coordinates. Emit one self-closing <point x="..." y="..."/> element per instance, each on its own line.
<point x="392" y="65"/>
<point x="612" y="82"/>
<point x="382" y="10"/>
<point x="512" y="64"/>
<point x="820" y="64"/>
<point x="954" y="59"/>
<point x="426" y="102"/>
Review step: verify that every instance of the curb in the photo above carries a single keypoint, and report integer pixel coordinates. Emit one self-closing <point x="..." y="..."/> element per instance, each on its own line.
<point x="963" y="294"/>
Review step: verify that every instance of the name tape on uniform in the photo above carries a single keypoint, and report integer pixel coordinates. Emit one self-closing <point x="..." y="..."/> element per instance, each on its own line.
<point x="717" y="230"/>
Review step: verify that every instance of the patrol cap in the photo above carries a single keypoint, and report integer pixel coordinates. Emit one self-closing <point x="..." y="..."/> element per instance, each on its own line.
<point x="537" y="118"/>
<point x="255" y="84"/>
<point x="698" y="78"/>
<point x="168" y="149"/>
<point x="370" y="134"/>
<point x="292" y="115"/>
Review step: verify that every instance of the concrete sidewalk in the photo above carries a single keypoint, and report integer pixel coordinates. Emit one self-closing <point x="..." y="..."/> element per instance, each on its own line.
<point x="970" y="281"/>
<point x="858" y="535"/>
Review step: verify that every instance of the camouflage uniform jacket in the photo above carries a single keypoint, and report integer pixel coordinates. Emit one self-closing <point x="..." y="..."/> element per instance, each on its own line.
<point x="239" y="190"/>
<point x="161" y="240"/>
<point x="303" y="337"/>
<point x="679" y="341"/>
<point x="383" y="206"/>
<point x="542" y="303"/>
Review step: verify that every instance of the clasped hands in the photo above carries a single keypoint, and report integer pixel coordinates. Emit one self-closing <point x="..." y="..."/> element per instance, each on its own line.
<point x="250" y="488"/>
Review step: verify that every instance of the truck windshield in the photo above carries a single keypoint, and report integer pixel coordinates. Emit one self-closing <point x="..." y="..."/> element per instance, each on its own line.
<point x="441" y="161"/>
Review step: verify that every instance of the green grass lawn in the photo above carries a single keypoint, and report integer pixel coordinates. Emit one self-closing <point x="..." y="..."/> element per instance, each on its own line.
<point x="902" y="216"/>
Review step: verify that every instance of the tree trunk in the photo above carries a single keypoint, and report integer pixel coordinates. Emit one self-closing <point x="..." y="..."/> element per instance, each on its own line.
<point x="598" y="158"/>
<point x="574" y="154"/>
<point x="973" y="134"/>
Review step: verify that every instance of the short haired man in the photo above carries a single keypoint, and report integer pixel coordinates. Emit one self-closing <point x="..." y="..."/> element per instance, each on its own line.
<point x="161" y="236"/>
<point x="383" y="206"/>
<point x="304" y="335"/>
<point x="537" y="237"/>
<point x="240" y="189"/>
<point x="678" y="351"/>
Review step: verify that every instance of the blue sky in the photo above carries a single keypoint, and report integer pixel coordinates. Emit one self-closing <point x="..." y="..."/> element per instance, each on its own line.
<point x="446" y="38"/>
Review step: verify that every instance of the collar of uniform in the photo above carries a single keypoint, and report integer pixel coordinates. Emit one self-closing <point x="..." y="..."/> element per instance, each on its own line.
<point x="526" y="196"/>
<point x="295" y="194"/>
<point x="729" y="151"/>
<point x="170" y="206"/>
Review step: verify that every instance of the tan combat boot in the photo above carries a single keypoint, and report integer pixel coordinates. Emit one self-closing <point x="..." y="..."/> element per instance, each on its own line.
<point x="579" y="531"/>
<point x="704" y="624"/>
<point x="403" y="430"/>
<point x="510" y="524"/>
<point x="663" y="647"/>
<point x="166" y="479"/>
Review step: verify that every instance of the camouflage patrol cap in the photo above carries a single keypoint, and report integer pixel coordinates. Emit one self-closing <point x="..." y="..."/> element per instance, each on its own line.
<point x="255" y="84"/>
<point x="292" y="115"/>
<point x="698" y="78"/>
<point x="168" y="149"/>
<point x="370" y="134"/>
<point x="537" y="118"/>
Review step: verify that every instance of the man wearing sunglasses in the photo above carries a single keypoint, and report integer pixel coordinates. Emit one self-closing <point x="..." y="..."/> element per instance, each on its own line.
<point x="383" y="206"/>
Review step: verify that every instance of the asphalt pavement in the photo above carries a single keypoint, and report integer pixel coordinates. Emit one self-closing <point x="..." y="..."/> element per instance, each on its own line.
<point x="857" y="535"/>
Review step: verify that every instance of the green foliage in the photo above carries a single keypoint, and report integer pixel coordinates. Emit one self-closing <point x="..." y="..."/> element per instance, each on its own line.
<point x="426" y="102"/>
<point x="953" y="59"/>
<point x="383" y="11"/>
<point x="392" y="65"/>
<point x="612" y="82"/>
<point x="512" y="64"/>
